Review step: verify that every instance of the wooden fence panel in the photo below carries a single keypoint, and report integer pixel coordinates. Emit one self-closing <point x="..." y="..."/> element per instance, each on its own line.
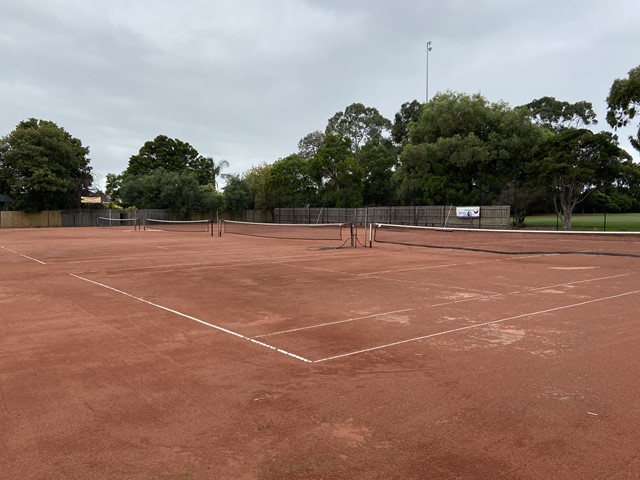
<point x="47" y="218"/>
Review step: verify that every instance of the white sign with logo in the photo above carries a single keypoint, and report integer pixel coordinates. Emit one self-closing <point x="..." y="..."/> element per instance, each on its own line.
<point x="468" y="212"/>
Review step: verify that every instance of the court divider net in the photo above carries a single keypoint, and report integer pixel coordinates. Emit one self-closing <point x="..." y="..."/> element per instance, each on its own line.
<point x="525" y="242"/>
<point x="187" y="226"/>
<point x="293" y="231"/>
<point x="118" y="222"/>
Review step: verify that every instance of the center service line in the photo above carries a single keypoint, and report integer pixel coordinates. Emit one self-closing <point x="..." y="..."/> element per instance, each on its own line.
<point x="225" y="330"/>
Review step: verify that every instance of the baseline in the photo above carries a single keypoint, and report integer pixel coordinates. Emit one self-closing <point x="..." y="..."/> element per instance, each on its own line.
<point x="23" y="255"/>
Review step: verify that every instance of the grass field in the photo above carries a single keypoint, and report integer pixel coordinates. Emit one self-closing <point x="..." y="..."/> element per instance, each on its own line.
<point x="622" y="222"/>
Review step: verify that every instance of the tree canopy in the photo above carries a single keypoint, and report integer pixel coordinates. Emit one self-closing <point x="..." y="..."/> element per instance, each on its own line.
<point x="337" y="173"/>
<point x="173" y="155"/>
<point x="168" y="173"/>
<point x="577" y="163"/>
<point x="359" y="124"/>
<point x="559" y="116"/>
<point x="237" y="196"/>
<point x="463" y="149"/>
<point x="624" y="102"/>
<point x="409" y="113"/>
<point x="42" y="167"/>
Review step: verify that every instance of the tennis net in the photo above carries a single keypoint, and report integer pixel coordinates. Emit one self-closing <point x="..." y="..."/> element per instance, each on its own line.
<point x="118" y="222"/>
<point x="319" y="231"/>
<point x="188" y="226"/>
<point x="530" y="242"/>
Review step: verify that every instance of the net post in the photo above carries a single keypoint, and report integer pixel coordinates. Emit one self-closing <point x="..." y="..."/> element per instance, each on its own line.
<point x="353" y="242"/>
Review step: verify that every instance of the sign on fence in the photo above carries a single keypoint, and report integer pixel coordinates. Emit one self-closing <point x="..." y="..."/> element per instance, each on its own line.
<point x="468" y="212"/>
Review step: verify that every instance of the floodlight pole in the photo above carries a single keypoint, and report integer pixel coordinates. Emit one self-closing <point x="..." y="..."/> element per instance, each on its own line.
<point x="428" y="50"/>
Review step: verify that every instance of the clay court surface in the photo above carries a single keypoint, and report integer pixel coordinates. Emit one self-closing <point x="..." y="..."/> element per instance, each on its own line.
<point x="157" y="355"/>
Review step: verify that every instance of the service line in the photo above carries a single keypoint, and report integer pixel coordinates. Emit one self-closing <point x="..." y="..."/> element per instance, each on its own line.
<point x="333" y="323"/>
<point x="184" y="315"/>
<point x="491" y="295"/>
<point x="478" y="325"/>
<point x="23" y="255"/>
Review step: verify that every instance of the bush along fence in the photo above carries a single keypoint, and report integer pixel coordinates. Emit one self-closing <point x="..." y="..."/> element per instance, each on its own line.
<point x="431" y="216"/>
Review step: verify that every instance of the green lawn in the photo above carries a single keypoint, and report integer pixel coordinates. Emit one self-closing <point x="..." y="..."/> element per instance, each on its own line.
<point x="622" y="222"/>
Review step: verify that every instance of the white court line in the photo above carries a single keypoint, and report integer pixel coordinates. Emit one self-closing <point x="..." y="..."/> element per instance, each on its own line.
<point x="423" y="267"/>
<point x="443" y="304"/>
<point x="22" y="255"/>
<point x="516" y="292"/>
<point x="225" y="330"/>
<point x="477" y="325"/>
<point x="332" y="323"/>
<point x="576" y="282"/>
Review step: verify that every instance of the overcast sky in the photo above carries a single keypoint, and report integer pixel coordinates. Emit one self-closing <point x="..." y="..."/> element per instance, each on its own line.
<point x="245" y="80"/>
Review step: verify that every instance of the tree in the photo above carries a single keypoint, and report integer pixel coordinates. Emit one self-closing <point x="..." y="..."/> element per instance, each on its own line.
<point x="173" y="155"/>
<point x="290" y="184"/>
<point x="113" y="184"/>
<point x="257" y="178"/>
<point x="629" y="183"/>
<point x="449" y="170"/>
<point x="517" y="141"/>
<point x="453" y="151"/>
<point x="337" y="173"/>
<point x="359" y="124"/>
<point x="309" y="145"/>
<point x="208" y="199"/>
<point x="558" y="116"/>
<point x="42" y="167"/>
<point x="409" y="113"/>
<point x="623" y="103"/>
<point x="575" y="164"/>
<point x="151" y="168"/>
<point x="378" y="162"/>
<point x="206" y="169"/>
<point x="237" y="195"/>
<point x="174" y="191"/>
<point x="216" y="169"/>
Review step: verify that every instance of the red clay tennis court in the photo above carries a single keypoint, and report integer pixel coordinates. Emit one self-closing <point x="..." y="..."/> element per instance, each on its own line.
<point x="171" y="355"/>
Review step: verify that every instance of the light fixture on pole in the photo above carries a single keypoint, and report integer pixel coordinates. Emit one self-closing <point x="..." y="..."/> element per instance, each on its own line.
<point x="428" y="50"/>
